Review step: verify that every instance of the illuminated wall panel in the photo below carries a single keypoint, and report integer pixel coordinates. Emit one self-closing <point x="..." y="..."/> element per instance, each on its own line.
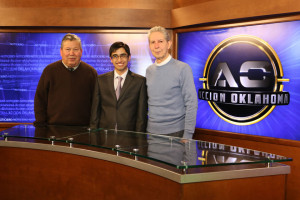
<point x="23" y="56"/>
<point x="219" y="46"/>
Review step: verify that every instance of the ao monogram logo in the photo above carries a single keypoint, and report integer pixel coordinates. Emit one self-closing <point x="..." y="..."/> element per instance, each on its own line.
<point x="243" y="80"/>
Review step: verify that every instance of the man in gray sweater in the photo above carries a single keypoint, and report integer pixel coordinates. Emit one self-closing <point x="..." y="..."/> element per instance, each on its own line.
<point x="172" y="96"/>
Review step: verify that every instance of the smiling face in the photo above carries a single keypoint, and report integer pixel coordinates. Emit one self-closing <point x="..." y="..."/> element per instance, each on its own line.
<point x="120" y="60"/>
<point x="159" y="46"/>
<point x="71" y="53"/>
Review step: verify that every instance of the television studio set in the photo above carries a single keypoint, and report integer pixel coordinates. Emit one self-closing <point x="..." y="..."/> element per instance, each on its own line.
<point x="139" y="99"/>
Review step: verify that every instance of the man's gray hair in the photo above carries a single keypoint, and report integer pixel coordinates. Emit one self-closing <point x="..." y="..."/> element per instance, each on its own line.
<point x="70" y="37"/>
<point x="159" y="29"/>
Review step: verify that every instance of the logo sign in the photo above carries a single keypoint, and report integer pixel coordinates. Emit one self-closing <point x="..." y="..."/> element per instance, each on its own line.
<point x="243" y="80"/>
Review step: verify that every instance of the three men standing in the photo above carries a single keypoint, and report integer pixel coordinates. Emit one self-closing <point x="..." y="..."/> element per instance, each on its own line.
<point x="67" y="93"/>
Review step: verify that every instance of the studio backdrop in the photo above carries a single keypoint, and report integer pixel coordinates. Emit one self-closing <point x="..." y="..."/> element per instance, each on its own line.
<point x="23" y="57"/>
<point x="247" y="78"/>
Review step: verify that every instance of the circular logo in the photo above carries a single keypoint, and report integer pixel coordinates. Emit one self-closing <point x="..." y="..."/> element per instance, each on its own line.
<point x="243" y="80"/>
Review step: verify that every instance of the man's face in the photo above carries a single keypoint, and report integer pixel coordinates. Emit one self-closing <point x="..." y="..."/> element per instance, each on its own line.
<point x="159" y="46"/>
<point x="71" y="53"/>
<point x="120" y="60"/>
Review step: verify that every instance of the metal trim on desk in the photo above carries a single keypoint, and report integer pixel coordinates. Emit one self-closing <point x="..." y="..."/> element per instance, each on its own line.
<point x="276" y="169"/>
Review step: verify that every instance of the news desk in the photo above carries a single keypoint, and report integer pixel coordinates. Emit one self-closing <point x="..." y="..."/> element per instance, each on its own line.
<point x="67" y="162"/>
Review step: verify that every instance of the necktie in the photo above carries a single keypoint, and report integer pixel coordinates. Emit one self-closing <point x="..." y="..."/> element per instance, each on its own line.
<point x="118" y="89"/>
<point x="71" y="69"/>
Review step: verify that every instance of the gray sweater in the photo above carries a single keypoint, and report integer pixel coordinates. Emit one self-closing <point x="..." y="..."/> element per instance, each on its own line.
<point x="172" y="98"/>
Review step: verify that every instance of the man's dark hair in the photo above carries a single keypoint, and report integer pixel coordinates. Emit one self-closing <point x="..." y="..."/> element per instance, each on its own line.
<point x="117" y="45"/>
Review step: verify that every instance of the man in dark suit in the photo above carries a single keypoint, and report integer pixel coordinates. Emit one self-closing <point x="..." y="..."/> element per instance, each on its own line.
<point x="120" y="97"/>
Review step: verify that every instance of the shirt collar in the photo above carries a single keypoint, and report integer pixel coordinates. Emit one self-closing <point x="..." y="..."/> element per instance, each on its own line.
<point x="123" y="75"/>
<point x="164" y="62"/>
<point x="72" y="67"/>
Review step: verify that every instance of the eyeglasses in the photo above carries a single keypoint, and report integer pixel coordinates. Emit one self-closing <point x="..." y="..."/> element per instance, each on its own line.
<point x="122" y="56"/>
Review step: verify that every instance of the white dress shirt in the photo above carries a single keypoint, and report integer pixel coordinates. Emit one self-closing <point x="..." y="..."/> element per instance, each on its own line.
<point x="117" y="80"/>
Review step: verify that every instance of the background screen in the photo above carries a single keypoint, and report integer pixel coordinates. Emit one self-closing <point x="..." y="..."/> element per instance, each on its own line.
<point x="195" y="47"/>
<point x="23" y="56"/>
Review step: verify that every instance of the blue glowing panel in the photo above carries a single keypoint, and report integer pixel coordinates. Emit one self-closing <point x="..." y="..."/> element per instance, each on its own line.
<point x="283" y="122"/>
<point x="23" y="56"/>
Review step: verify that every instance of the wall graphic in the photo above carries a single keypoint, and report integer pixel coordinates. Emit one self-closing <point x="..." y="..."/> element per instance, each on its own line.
<point x="249" y="78"/>
<point x="23" y="56"/>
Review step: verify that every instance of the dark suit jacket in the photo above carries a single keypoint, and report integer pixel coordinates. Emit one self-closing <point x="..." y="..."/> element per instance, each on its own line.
<point x="129" y="112"/>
